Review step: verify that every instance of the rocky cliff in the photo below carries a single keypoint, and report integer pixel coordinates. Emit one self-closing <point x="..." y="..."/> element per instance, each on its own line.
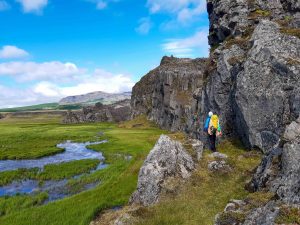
<point x="119" y="111"/>
<point x="165" y="94"/>
<point x="251" y="79"/>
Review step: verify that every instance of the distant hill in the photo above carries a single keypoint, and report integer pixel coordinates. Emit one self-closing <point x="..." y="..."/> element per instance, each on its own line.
<point x="94" y="97"/>
<point x="46" y="106"/>
<point x="74" y="102"/>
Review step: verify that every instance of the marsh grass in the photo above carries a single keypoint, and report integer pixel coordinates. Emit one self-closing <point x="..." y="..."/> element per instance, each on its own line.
<point x="118" y="180"/>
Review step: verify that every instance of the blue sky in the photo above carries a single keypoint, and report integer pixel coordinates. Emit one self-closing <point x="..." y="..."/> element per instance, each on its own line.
<point x="53" y="48"/>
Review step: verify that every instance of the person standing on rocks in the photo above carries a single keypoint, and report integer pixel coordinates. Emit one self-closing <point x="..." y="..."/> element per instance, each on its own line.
<point x="213" y="128"/>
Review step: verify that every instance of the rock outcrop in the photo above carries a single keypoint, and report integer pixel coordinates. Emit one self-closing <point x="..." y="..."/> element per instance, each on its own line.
<point x="165" y="94"/>
<point x="116" y="112"/>
<point x="251" y="79"/>
<point x="167" y="160"/>
<point x="254" y="84"/>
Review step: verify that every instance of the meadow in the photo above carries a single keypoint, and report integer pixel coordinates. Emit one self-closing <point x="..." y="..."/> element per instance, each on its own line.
<point x="34" y="137"/>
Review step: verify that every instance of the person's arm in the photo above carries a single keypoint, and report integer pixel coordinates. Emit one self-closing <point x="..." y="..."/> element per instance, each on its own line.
<point x="209" y="128"/>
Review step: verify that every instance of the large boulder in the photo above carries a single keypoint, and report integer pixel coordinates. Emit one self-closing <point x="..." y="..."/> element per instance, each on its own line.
<point x="168" y="159"/>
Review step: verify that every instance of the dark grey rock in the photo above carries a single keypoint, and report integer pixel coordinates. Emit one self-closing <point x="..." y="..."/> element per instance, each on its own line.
<point x="168" y="159"/>
<point x="265" y="215"/>
<point x="165" y="94"/>
<point x="116" y="112"/>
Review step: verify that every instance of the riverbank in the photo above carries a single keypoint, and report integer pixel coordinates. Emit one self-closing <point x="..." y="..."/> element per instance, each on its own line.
<point x="33" y="139"/>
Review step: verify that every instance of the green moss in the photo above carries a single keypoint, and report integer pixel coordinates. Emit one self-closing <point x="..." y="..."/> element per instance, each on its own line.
<point x="259" y="13"/>
<point x="258" y="199"/>
<point x="288" y="215"/>
<point x="226" y="218"/>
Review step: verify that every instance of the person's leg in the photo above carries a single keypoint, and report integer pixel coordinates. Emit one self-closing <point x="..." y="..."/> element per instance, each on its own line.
<point x="214" y="137"/>
<point x="210" y="141"/>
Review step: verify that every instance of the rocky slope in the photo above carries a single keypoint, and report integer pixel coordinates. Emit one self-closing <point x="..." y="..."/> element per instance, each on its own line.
<point x="252" y="80"/>
<point x="119" y="111"/>
<point x="94" y="97"/>
<point x="165" y="94"/>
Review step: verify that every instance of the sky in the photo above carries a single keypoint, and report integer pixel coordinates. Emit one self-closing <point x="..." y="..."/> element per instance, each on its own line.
<point x="50" y="49"/>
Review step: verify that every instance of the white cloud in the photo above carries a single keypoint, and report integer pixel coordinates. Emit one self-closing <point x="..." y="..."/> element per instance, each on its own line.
<point x="35" y="6"/>
<point x="4" y="5"/>
<point x="50" y="91"/>
<point x="145" y="25"/>
<point x="100" y="80"/>
<point x="182" y="12"/>
<point x="28" y="71"/>
<point x="12" y="52"/>
<point x="188" y="47"/>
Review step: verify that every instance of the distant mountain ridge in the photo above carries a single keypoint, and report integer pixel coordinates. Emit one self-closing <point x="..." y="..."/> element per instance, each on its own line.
<point x="94" y="97"/>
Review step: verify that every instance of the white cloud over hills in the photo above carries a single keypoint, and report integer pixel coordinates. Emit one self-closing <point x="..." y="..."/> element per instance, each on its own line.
<point x="50" y="81"/>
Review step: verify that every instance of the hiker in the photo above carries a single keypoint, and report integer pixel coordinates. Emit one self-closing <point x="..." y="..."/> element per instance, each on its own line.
<point x="213" y="128"/>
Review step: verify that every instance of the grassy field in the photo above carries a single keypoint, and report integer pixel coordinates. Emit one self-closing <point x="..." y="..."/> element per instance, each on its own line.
<point x="30" y="138"/>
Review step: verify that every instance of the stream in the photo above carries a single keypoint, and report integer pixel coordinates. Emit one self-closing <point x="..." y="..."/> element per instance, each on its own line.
<point x="55" y="189"/>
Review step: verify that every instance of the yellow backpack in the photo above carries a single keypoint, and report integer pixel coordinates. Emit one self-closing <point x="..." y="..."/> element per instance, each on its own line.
<point x="215" y="121"/>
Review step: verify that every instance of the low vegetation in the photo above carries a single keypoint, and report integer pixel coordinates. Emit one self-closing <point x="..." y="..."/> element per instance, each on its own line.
<point x="206" y="193"/>
<point x="288" y="215"/>
<point x="259" y="13"/>
<point x="291" y="31"/>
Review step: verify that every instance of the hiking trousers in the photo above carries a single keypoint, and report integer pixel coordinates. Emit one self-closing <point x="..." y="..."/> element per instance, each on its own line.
<point x="212" y="142"/>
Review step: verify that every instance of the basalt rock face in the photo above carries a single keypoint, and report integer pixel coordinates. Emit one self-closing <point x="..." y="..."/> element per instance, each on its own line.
<point x="116" y="112"/>
<point x="165" y="94"/>
<point x="253" y="83"/>
<point x="253" y="77"/>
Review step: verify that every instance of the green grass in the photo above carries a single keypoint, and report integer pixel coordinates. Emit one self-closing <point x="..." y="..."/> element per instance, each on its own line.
<point x="67" y="170"/>
<point x="7" y="177"/>
<point x="12" y="204"/>
<point x="206" y="193"/>
<point x="118" y="180"/>
<point x="50" y="172"/>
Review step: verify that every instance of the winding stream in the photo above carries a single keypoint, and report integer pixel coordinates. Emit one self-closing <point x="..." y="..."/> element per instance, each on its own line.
<point x="55" y="189"/>
<point x="73" y="151"/>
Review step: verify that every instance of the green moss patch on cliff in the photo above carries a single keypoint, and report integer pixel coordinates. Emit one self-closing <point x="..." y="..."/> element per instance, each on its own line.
<point x="288" y="215"/>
